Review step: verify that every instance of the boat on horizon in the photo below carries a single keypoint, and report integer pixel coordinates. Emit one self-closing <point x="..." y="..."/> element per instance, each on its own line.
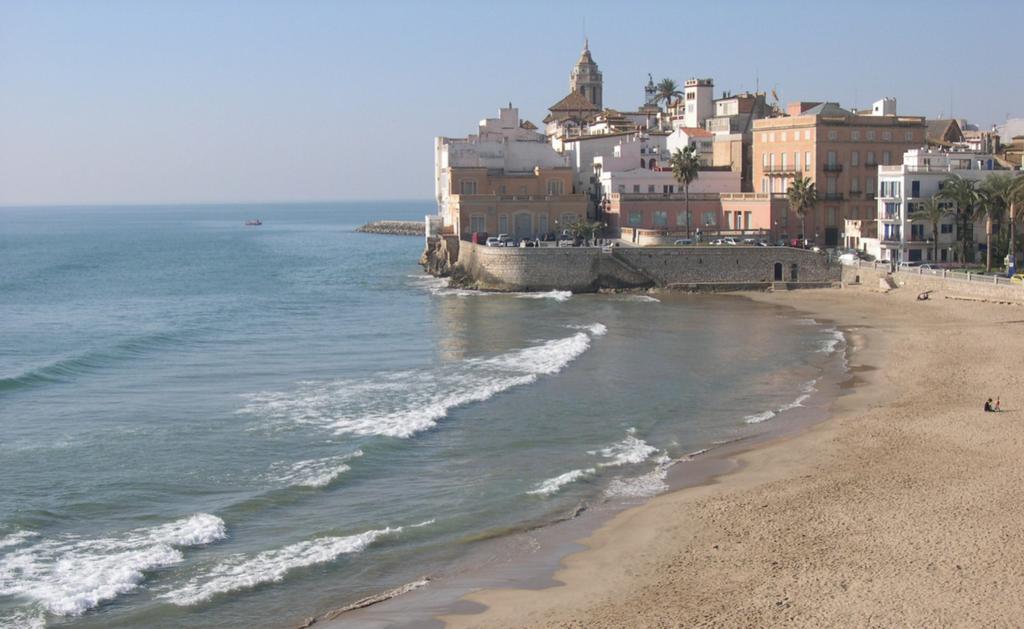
<point x="253" y="222"/>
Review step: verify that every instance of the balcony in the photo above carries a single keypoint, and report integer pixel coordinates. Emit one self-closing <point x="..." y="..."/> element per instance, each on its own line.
<point x="833" y="168"/>
<point x="869" y="195"/>
<point x="856" y="193"/>
<point x="833" y="196"/>
<point x="870" y="164"/>
<point x="775" y="169"/>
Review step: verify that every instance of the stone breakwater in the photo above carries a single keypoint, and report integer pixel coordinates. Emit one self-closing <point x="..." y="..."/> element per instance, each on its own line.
<point x="394" y="228"/>
<point x="589" y="269"/>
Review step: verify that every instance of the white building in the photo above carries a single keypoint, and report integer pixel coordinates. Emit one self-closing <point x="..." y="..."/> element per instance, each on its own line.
<point x="702" y="142"/>
<point x="901" y="188"/>
<point x="698" y="95"/>
<point x="640" y="163"/>
<point x="504" y="143"/>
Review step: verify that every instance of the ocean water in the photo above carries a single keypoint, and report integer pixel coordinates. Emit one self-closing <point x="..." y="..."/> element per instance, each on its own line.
<point x="209" y="424"/>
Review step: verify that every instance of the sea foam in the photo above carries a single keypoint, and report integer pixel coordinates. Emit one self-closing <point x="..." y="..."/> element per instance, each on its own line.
<point x="557" y="295"/>
<point x="643" y="486"/>
<point x="629" y="451"/>
<point x="240" y="572"/>
<point x="553" y="485"/>
<point x="829" y="345"/>
<point x="312" y="472"/>
<point x="401" y="404"/>
<point x="70" y="575"/>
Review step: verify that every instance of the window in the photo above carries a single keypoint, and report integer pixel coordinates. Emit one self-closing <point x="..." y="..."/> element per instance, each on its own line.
<point x="556" y="187"/>
<point x="908" y="136"/>
<point x="660" y="218"/>
<point x="833" y="135"/>
<point x="542" y="223"/>
<point x="771" y="160"/>
<point x="650" y="188"/>
<point x="738" y="220"/>
<point x="783" y="136"/>
<point x="870" y="133"/>
<point x="764" y="137"/>
<point x="771" y="136"/>
<point x="477" y="223"/>
<point x="746" y="220"/>
<point x="728" y="218"/>
<point x="855" y="184"/>
<point x="709" y="218"/>
<point x="807" y="134"/>
<point x="854" y="213"/>
<point x="782" y="158"/>
<point x="831" y="216"/>
<point x="870" y="159"/>
<point x="764" y="160"/>
<point x="886" y="136"/>
<point x="764" y="184"/>
<point x="946" y="228"/>
<point x="467" y="186"/>
<point x="855" y="135"/>
<point x="869" y="184"/>
<point x="567" y="219"/>
<point x="807" y="160"/>
<point x="643" y="163"/>
<point x="830" y="184"/>
<point x="681" y="219"/>
<point x="503" y="224"/>
<point x="636" y="218"/>
<point x="796" y="159"/>
<point x="886" y="158"/>
<point x="831" y="158"/>
<point x="668" y="189"/>
<point x="855" y="158"/>
<point x="892" y="210"/>
<point x="622" y="188"/>
<point x="915" y="189"/>
<point x="636" y="187"/>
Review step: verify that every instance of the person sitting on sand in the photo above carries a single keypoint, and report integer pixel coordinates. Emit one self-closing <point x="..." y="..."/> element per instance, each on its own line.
<point x="988" y="405"/>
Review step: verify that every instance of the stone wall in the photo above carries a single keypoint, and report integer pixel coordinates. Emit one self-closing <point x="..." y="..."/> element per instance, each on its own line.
<point x="945" y="286"/>
<point x="587" y="269"/>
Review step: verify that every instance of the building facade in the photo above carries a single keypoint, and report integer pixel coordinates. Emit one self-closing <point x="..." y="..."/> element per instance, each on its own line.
<point x="839" y="151"/>
<point x="901" y="188"/>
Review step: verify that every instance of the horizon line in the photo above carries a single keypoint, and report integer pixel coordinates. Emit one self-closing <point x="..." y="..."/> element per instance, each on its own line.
<point x="430" y="200"/>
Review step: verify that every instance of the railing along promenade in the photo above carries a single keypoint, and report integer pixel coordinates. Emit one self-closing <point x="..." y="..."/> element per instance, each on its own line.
<point x="946" y="274"/>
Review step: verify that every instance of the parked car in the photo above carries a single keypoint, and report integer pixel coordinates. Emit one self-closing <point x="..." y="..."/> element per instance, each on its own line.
<point x="493" y="241"/>
<point x="750" y="241"/>
<point x="848" y="258"/>
<point x="506" y="240"/>
<point x="763" y="243"/>
<point x="729" y="240"/>
<point x="683" y="241"/>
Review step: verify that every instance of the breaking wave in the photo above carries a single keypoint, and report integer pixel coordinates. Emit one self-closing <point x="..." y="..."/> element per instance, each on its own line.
<point x="312" y="472"/>
<point x="69" y="576"/>
<point x="643" y="486"/>
<point x="401" y="404"/>
<point x="553" y="485"/>
<point x="242" y="572"/>
<point x="829" y="345"/>
<point x="629" y="451"/>
<point x="557" y="295"/>
<point x="806" y="390"/>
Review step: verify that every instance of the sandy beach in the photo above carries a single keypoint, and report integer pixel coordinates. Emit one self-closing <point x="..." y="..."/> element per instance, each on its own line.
<point x="904" y="508"/>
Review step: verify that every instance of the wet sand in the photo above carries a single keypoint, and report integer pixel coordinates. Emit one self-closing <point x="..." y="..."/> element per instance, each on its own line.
<point x="905" y="508"/>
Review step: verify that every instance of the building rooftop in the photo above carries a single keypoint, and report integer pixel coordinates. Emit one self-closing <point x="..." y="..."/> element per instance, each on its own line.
<point x="826" y="109"/>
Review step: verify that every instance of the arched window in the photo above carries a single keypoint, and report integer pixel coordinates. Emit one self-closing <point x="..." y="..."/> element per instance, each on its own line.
<point x="653" y="164"/>
<point x="643" y="163"/>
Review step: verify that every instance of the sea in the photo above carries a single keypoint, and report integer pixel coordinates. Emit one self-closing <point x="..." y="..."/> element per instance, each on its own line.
<point x="209" y="424"/>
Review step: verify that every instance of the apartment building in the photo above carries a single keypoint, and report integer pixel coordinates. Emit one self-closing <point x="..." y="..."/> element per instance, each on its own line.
<point x="839" y="151"/>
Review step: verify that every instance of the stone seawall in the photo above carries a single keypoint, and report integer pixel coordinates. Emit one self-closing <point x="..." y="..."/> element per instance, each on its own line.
<point x="945" y="286"/>
<point x="587" y="269"/>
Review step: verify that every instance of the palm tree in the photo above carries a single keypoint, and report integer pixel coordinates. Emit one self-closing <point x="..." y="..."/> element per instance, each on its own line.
<point x="685" y="168"/>
<point x="1016" y="198"/>
<point x="802" y="197"/>
<point x="994" y="198"/>
<point x="667" y="90"/>
<point x="964" y="193"/>
<point x="932" y="211"/>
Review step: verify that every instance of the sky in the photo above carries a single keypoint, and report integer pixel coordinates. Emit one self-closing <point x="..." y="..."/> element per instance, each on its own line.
<point x="189" y="101"/>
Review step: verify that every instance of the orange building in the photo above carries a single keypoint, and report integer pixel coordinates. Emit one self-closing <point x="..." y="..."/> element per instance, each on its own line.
<point x="839" y="151"/>
<point x="521" y="204"/>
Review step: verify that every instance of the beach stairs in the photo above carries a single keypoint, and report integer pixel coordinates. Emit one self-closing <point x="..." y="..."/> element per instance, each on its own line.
<point x="622" y="274"/>
<point x="887" y="283"/>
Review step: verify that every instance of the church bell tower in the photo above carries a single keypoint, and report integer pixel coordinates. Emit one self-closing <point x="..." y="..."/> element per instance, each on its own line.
<point x="586" y="78"/>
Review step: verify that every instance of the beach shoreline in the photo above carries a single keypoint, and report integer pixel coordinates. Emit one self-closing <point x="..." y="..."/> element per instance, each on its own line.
<point x="529" y="558"/>
<point x="880" y="515"/>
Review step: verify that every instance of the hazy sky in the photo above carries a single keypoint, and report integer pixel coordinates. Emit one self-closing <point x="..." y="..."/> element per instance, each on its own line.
<point x="219" y="101"/>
